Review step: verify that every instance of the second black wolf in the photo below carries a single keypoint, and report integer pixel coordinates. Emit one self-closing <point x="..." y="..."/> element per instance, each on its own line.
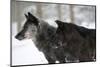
<point x="79" y="42"/>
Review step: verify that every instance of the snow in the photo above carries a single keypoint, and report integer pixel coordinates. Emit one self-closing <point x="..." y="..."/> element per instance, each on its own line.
<point x="89" y="26"/>
<point x="51" y="22"/>
<point x="24" y="52"/>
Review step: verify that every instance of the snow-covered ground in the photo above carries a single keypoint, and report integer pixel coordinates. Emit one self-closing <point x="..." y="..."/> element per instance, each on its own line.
<point x="24" y="52"/>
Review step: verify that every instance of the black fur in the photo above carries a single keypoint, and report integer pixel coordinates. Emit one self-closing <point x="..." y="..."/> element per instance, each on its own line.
<point x="81" y="42"/>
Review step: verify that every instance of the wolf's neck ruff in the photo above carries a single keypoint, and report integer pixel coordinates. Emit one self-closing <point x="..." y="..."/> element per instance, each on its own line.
<point x="44" y="33"/>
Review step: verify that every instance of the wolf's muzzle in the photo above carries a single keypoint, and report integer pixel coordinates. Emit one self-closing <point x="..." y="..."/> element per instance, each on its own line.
<point x="19" y="37"/>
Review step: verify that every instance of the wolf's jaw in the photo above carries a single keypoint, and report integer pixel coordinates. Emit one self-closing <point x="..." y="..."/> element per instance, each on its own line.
<point x="34" y="39"/>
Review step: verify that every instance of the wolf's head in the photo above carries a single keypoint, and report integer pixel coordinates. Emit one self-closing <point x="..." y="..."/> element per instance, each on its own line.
<point x="30" y="27"/>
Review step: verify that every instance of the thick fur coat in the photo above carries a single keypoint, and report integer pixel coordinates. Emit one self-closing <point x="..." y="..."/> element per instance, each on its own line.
<point x="67" y="43"/>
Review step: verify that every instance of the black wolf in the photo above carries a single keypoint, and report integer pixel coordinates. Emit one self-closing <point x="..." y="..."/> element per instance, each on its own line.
<point x="80" y="42"/>
<point x="42" y="35"/>
<point x="66" y="43"/>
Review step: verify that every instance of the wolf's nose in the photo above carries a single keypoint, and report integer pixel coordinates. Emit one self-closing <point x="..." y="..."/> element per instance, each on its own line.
<point x="19" y="37"/>
<point x="16" y="37"/>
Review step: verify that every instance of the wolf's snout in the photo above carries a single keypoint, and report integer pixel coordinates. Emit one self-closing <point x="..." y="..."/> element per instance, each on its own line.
<point x="19" y="37"/>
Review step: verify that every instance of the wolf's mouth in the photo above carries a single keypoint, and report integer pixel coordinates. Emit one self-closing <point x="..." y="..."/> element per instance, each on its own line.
<point x="28" y="35"/>
<point x="20" y="37"/>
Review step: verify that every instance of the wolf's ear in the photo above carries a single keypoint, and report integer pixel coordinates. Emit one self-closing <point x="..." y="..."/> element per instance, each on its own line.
<point x="26" y="16"/>
<point x="32" y="17"/>
<point x="59" y="23"/>
<point x="29" y="14"/>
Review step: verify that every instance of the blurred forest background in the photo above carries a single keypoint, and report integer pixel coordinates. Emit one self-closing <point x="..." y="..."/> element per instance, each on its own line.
<point x="24" y="52"/>
<point x="79" y="14"/>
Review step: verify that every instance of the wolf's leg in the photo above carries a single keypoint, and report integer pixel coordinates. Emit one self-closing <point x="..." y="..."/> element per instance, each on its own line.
<point x="87" y="57"/>
<point x="49" y="59"/>
<point x="62" y="60"/>
<point x="60" y="55"/>
<point x="72" y="59"/>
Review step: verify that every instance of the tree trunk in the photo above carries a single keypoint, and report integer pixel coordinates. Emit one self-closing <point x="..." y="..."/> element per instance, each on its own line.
<point x="71" y="13"/>
<point x="39" y="10"/>
<point x="59" y="11"/>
